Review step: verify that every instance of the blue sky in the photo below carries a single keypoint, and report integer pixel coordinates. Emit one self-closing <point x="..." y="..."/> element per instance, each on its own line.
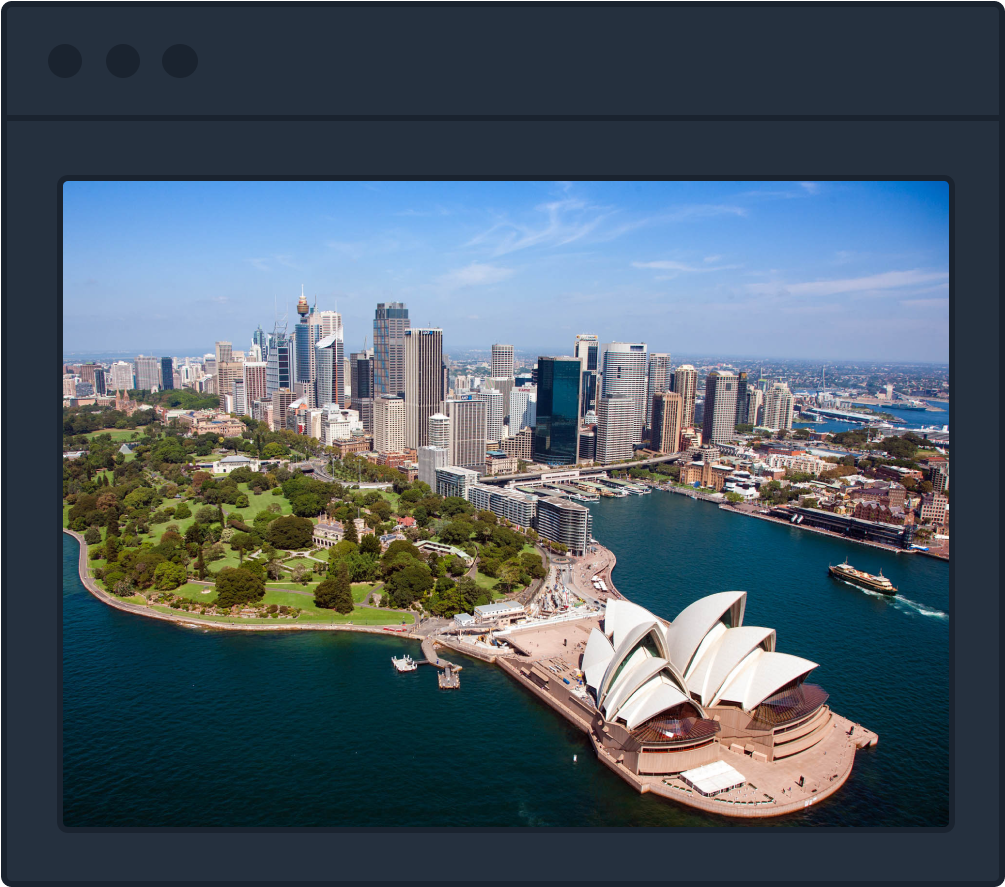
<point x="856" y="270"/>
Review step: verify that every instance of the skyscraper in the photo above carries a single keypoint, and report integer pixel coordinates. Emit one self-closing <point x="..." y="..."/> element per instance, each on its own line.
<point x="741" y="399"/>
<point x="279" y="366"/>
<point x="616" y="418"/>
<point x="330" y="367"/>
<point x="587" y="349"/>
<point x="122" y="375"/>
<point x="556" y="435"/>
<point x="224" y="352"/>
<point x="255" y="382"/>
<point x="755" y="403"/>
<point x="624" y="368"/>
<point x="502" y="360"/>
<point x="778" y="407"/>
<point x="504" y="385"/>
<point x="720" y="407"/>
<point x="668" y="413"/>
<point x="423" y="383"/>
<point x="685" y="383"/>
<point x="167" y="374"/>
<point x="468" y="431"/>
<point x="361" y="387"/>
<point x="493" y="401"/>
<point x="227" y="373"/>
<point x="659" y="381"/>
<point x="94" y="375"/>
<point x="388" y="424"/>
<point x="147" y="373"/>
<point x="389" y="325"/>
<point x="522" y="409"/>
<point x="439" y="430"/>
<point x="259" y="338"/>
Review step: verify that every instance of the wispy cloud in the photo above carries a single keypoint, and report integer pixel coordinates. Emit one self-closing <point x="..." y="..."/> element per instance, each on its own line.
<point x="475" y="274"/>
<point x="668" y="265"/>
<point x="885" y="281"/>
<point x="260" y="264"/>
<point x="925" y="303"/>
<point x="711" y="258"/>
<point x="811" y="187"/>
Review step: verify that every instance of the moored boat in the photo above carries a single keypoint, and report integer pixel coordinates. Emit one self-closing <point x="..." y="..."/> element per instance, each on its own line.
<point x="847" y="573"/>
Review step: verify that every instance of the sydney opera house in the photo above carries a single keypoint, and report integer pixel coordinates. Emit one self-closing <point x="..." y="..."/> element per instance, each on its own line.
<point x="672" y="695"/>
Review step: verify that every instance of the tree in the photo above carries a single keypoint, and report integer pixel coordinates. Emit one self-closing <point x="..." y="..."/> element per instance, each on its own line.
<point x="205" y="515"/>
<point x="370" y="545"/>
<point x="237" y="585"/>
<point x="335" y="592"/>
<point x="509" y="574"/>
<point x="200" y="565"/>
<point x="274" y="450"/>
<point x="290" y="532"/>
<point x="456" y="532"/>
<point x="168" y="576"/>
<point x="242" y="542"/>
<point x="92" y="536"/>
<point x="350" y="531"/>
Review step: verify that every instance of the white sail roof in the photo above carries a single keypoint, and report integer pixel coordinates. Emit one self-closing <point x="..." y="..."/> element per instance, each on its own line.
<point x="621" y="617"/>
<point x="763" y="675"/>
<point x="596" y="657"/>
<point x="632" y="641"/>
<point x="656" y="696"/>
<point x="630" y="681"/>
<point x="723" y="656"/>
<point x="694" y="622"/>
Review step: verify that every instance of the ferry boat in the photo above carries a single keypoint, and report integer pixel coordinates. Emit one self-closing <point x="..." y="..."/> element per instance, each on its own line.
<point x="404" y="664"/>
<point x="848" y="573"/>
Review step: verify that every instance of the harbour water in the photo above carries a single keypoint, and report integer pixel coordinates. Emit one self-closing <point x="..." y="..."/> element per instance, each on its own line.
<point x="170" y="726"/>
<point x="904" y="418"/>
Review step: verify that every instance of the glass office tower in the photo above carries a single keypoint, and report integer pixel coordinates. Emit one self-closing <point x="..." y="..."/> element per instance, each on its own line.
<point x="556" y="435"/>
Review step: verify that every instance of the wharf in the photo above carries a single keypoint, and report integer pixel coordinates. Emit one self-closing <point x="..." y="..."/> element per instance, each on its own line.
<point x="449" y="679"/>
<point x="429" y="651"/>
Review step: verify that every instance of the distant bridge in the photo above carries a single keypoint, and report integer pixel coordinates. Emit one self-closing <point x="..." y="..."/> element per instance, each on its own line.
<point x="587" y="471"/>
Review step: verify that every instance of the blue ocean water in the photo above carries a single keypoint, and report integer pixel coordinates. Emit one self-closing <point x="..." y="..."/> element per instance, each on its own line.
<point x="172" y="726"/>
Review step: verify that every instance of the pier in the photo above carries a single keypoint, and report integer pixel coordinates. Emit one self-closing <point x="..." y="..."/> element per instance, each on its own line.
<point x="429" y="651"/>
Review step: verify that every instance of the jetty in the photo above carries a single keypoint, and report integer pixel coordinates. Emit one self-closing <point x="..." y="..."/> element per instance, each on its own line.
<point x="429" y="651"/>
<point x="449" y="679"/>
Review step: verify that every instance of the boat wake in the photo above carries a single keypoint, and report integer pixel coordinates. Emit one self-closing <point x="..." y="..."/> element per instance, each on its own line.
<point x="920" y="608"/>
<point x="900" y="602"/>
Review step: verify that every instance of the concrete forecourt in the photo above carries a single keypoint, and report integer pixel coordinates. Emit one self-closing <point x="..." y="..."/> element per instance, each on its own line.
<point x="701" y="710"/>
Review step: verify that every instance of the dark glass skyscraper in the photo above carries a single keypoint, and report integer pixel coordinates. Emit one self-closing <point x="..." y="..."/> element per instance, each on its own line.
<point x="279" y="365"/>
<point x="389" y="324"/>
<point x="741" y="400"/>
<point x="167" y="373"/>
<point x="556" y="435"/>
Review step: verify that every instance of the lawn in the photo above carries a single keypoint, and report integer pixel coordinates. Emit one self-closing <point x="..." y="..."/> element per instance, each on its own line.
<point x="257" y="503"/>
<point x="117" y="434"/>
<point x="359" y="616"/>
<point x="391" y="496"/>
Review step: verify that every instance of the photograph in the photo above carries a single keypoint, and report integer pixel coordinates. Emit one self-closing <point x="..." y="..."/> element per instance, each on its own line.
<point x="505" y="503"/>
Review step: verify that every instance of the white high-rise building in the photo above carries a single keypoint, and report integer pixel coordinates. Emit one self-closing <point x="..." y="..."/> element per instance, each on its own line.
<point x="493" y="401"/>
<point x="389" y="424"/>
<point x="148" y="371"/>
<point x="439" y="430"/>
<point x="468" y="432"/>
<point x="685" y="383"/>
<point x="224" y="352"/>
<point x="587" y="349"/>
<point x="121" y="376"/>
<point x="338" y="423"/>
<point x="502" y="361"/>
<point x="522" y="408"/>
<point x="616" y="420"/>
<point x="778" y="406"/>
<point x="431" y="458"/>
<point x="625" y="368"/>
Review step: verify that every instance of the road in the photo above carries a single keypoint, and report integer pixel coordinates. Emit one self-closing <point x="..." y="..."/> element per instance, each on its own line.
<point x="583" y="472"/>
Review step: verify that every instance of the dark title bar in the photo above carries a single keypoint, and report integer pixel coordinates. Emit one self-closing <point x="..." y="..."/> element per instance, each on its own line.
<point x="523" y="61"/>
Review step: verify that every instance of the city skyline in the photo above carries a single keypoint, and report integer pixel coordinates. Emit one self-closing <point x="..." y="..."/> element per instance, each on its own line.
<point x="837" y="270"/>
